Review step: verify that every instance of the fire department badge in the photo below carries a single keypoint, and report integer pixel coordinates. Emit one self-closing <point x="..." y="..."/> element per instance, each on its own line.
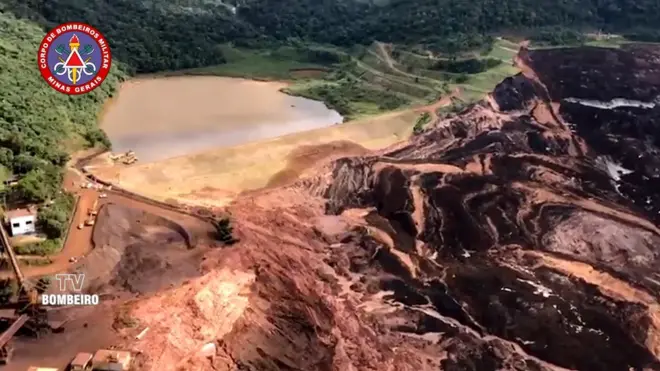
<point x="74" y="58"/>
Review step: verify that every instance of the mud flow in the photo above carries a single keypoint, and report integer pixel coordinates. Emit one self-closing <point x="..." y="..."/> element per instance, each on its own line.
<point x="521" y="233"/>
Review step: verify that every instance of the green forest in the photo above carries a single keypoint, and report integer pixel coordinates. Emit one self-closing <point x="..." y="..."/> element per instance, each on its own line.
<point x="39" y="127"/>
<point x="170" y="35"/>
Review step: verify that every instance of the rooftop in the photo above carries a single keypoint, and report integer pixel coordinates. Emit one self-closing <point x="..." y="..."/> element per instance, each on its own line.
<point x="17" y="213"/>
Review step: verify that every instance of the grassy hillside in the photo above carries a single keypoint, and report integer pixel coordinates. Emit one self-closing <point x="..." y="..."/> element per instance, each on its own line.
<point x="158" y="35"/>
<point x="362" y="81"/>
<point x="39" y="126"/>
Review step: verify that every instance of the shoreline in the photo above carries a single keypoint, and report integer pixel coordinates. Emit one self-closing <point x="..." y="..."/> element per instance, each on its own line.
<point x="160" y="118"/>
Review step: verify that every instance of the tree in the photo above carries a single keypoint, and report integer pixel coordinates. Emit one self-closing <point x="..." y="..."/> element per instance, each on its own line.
<point x="224" y="231"/>
<point x="34" y="187"/>
<point x="53" y="219"/>
<point x="462" y="78"/>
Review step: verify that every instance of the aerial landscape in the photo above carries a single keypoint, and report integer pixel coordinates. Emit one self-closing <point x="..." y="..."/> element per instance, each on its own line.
<point x="342" y="185"/>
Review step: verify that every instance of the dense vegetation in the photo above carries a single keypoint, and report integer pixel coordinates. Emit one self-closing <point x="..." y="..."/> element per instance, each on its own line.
<point x="557" y="36"/>
<point x="39" y="127"/>
<point x="422" y="120"/>
<point x="445" y="24"/>
<point x="168" y="35"/>
<point x="644" y="34"/>
<point x="147" y="36"/>
<point x="467" y="66"/>
<point x="224" y="232"/>
<point x="340" y="94"/>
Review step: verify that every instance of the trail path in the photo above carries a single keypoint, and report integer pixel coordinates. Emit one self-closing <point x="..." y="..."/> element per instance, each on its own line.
<point x="384" y="56"/>
<point x="392" y="77"/>
<point x="443" y="102"/>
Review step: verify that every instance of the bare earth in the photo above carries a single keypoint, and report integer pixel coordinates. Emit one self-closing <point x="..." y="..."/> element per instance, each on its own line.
<point x="217" y="176"/>
<point x="487" y="242"/>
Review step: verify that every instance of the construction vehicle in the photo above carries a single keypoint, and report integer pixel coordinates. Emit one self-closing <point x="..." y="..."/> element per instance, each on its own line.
<point x="116" y="156"/>
<point x="82" y="362"/>
<point x="93" y="211"/>
<point x="126" y="158"/>
<point x="130" y="160"/>
<point x="111" y="360"/>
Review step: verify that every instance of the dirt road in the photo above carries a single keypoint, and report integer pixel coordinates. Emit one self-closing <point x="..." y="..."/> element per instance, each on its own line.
<point x="79" y="241"/>
<point x="432" y="108"/>
<point x="384" y="55"/>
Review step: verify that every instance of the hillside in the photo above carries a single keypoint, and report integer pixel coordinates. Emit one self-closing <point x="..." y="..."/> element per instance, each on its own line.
<point x="519" y="232"/>
<point x="39" y="127"/>
<point x="499" y="238"/>
<point x="370" y="54"/>
<point x="164" y="35"/>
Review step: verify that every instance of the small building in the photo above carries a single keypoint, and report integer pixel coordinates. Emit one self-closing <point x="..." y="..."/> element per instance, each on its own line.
<point x="111" y="360"/>
<point x="42" y="369"/>
<point x="21" y="221"/>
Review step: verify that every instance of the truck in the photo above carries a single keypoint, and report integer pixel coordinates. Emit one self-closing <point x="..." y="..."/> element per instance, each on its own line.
<point x="111" y="360"/>
<point x="130" y="160"/>
<point x="82" y="362"/>
<point x="93" y="211"/>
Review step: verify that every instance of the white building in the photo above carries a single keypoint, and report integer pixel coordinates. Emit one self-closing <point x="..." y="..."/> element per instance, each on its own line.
<point x="21" y="221"/>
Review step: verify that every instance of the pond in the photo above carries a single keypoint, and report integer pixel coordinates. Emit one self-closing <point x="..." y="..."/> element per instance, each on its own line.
<point x="160" y="118"/>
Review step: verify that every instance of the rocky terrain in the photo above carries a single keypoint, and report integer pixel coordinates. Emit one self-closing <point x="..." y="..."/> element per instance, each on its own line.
<point x="519" y="234"/>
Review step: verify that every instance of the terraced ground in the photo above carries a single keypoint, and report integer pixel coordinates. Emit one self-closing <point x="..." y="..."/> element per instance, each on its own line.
<point x="364" y="81"/>
<point x="498" y="238"/>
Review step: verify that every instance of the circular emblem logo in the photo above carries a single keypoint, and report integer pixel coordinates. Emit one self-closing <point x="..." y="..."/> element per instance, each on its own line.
<point x="74" y="58"/>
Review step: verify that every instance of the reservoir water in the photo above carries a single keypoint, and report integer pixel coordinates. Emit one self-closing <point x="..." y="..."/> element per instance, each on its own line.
<point x="160" y="118"/>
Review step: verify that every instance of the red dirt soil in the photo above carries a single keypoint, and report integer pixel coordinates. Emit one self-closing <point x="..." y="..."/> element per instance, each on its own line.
<point x="79" y="241"/>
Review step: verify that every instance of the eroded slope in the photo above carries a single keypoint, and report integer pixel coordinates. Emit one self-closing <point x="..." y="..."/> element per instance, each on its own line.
<point x="520" y="234"/>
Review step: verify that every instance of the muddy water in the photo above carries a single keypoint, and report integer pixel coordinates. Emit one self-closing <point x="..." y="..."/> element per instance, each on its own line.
<point x="160" y="118"/>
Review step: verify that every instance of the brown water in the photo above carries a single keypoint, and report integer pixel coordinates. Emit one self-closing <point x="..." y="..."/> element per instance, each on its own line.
<point x="160" y="118"/>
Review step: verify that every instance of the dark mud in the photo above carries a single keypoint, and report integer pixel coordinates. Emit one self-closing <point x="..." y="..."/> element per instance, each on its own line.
<point x="138" y="252"/>
<point x="630" y="136"/>
<point x="529" y="183"/>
